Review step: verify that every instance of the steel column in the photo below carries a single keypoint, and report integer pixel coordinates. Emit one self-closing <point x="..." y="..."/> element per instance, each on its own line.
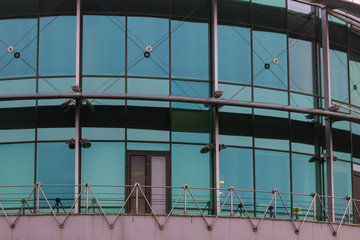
<point x="78" y="101"/>
<point x="327" y="100"/>
<point x="215" y="108"/>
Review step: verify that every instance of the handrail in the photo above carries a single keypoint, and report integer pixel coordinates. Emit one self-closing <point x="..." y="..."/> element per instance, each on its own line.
<point x="137" y="197"/>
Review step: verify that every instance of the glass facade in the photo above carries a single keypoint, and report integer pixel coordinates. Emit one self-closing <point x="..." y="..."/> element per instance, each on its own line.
<point x="268" y="51"/>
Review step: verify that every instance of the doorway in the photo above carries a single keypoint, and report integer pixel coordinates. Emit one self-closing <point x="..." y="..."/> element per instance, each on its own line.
<point x="152" y="170"/>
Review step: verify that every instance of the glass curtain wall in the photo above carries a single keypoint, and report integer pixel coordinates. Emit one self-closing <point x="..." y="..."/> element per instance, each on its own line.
<point x="269" y="51"/>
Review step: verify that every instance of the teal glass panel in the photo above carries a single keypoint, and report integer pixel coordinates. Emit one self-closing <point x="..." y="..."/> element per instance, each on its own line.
<point x="270" y="59"/>
<point x="236" y="170"/>
<point x="234" y="54"/>
<point x="190" y="89"/>
<point x="93" y="133"/>
<point x="188" y="163"/>
<point x="190" y="45"/>
<point x="56" y="165"/>
<point x="304" y="174"/>
<point x="276" y="3"/>
<point x="149" y="87"/>
<point x="17" y="86"/>
<point x="55" y="85"/>
<point x="105" y="85"/>
<point x="144" y="32"/>
<point x="235" y="92"/>
<point x="306" y="179"/>
<point x="148" y="146"/>
<point x="51" y="134"/>
<point x="17" y="135"/>
<point x="18" y="160"/>
<point x="354" y="71"/>
<point x="57" y="45"/>
<point x="339" y="76"/>
<point x="301" y="66"/>
<point x="342" y="187"/>
<point x="21" y="35"/>
<point x="272" y="171"/>
<point x="147" y="135"/>
<point x="270" y="96"/>
<point x="189" y="166"/>
<point x="104" y="164"/>
<point x="103" y="45"/>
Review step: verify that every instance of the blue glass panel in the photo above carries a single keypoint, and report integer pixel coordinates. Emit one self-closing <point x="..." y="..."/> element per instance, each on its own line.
<point x="56" y="165"/>
<point x="234" y="54"/>
<point x="48" y="134"/>
<point x="103" y="133"/>
<point x="147" y="135"/>
<point x="339" y="76"/>
<point x="272" y="171"/>
<point x="17" y="86"/>
<point x="148" y="146"/>
<point x="17" y="135"/>
<point x="301" y="66"/>
<point x="190" y="45"/>
<point x="55" y="85"/>
<point x="18" y="160"/>
<point x="21" y="35"/>
<point x="148" y="86"/>
<point x="189" y="88"/>
<point x="236" y="169"/>
<point x="109" y="171"/>
<point x="276" y="3"/>
<point x="270" y="59"/>
<point x="354" y="71"/>
<point x="57" y="45"/>
<point x="152" y="32"/>
<point x="104" y="163"/>
<point x="303" y="174"/>
<point x="104" y="85"/>
<point x="342" y="185"/>
<point x="104" y="45"/>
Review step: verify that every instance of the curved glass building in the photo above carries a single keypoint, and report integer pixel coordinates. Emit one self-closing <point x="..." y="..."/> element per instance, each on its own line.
<point x="251" y="94"/>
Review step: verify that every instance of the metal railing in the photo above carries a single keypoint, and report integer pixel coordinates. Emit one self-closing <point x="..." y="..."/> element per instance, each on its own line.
<point x="113" y="201"/>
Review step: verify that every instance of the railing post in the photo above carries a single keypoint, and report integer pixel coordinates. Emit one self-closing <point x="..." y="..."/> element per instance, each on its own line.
<point x="38" y="197"/>
<point x="314" y="206"/>
<point x="87" y="197"/>
<point x="274" y="192"/>
<point x="136" y="198"/>
<point x="185" y="199"/>
<point x="231" y="202"/>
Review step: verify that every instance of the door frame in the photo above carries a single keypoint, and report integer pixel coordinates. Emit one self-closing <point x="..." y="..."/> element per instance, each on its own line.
<point x="147" y="191"/>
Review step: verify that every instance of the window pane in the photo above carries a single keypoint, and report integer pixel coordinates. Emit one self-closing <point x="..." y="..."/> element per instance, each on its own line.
<point x="57" y="45"/>
<point x="190" y="45"/>
<point x="270" y="59"/>
<point x="104" y="45"/>
<point x="339" y="75"/>
<point x="21" y="34"/>
<point x="144" y="32"/>
<point x="234" y="54"/>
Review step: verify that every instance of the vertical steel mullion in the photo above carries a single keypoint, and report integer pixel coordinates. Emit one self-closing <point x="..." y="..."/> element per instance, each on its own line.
<point x="77" y="108"/>
<point x="328" y="128"/>
<point x="252" y="100"/>
<point x="37" y="91"/>
<point x="215" y="87"/>
<point x="289" y="103"/>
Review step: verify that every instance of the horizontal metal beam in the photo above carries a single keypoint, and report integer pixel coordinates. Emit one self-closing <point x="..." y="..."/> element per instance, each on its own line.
<point x="208" y="101"/>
